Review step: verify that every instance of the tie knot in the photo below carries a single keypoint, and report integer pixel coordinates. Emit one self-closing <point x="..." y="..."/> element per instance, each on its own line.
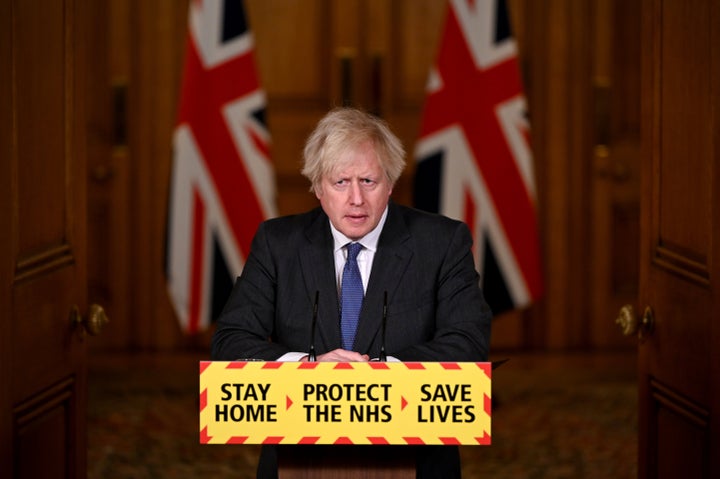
<point x="353" y="250"/>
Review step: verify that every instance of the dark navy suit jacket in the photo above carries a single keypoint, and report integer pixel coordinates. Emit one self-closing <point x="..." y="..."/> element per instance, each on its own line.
<point x="435" y="308"/>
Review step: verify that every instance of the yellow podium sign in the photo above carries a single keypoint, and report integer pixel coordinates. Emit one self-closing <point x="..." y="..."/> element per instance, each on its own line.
<point x="345" y="403"/>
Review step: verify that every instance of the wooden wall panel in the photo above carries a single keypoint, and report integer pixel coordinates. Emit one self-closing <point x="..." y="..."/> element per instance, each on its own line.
<point x="557" y="70"/>
<point x="159" y="34"/>
<point x="416" y="29"/>
<point x="614" y="170"/>
<point x="294" y="52"/>
<point x="282" y="29"/>
<point x="373" y="53"/>
<point x="108" y="176"/>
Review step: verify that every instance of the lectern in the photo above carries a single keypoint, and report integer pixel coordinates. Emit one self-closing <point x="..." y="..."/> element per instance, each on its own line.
<point x="368" y="420"/>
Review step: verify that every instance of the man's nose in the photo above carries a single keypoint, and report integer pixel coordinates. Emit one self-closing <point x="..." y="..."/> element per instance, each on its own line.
<point x="356" y="196"/>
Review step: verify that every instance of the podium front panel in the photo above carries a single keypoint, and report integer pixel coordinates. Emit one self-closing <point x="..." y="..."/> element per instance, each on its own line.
<point x="362" y="403"/>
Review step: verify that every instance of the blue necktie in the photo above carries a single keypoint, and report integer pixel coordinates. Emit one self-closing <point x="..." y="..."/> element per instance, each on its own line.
<point x="351" y="296"/>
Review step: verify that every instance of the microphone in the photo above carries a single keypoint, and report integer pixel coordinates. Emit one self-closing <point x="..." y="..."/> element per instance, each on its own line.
<point x="311" y="353"/>
<point x="383" y="356"/>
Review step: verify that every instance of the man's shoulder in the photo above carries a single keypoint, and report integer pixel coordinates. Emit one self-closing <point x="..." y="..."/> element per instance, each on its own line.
<point x="414" y="217"/>
<point x="427" y="230"/>
<point x="288" y="229"/>
<point x="294" y="221"/>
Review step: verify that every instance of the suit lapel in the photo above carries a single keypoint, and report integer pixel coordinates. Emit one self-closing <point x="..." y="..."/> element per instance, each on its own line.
<point x="389" y="265"/>
<point x="318" y="269"/>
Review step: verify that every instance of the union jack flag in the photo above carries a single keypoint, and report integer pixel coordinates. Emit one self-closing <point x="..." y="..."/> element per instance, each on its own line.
<point x="222" y="183"/>
<point x="473" y="157"/>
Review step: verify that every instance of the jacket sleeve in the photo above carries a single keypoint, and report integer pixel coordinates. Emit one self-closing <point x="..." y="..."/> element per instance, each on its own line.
<point x="456" y="312"/>
<point x="245" y="326"/>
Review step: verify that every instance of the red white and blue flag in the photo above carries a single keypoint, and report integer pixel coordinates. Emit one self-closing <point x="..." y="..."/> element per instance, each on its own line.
<point x="473" y="157"/>
<point x="222" y="183"/>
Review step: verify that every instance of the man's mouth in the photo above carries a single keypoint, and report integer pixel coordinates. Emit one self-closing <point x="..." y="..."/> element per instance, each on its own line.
<point x="355" y="218"/>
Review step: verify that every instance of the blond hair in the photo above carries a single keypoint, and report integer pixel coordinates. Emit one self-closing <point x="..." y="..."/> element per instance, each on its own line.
<point x="344" y="129"/>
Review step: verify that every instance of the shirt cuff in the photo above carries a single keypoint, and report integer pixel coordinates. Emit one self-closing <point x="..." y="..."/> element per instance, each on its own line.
<point x="292" y="356"/>
<point x="389" y="359"/>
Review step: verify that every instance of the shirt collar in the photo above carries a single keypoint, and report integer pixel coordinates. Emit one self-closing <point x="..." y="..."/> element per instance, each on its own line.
<point x="369" y="241"/>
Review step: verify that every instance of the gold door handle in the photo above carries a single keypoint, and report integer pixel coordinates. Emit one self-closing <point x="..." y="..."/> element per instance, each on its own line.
<point x="91" y="324"/>
<point x="628" y="322"/>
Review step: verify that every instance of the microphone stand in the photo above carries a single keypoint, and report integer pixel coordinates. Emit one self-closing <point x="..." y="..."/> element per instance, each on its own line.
<point x="311" y="353"/>
<point x="383" y="356"/>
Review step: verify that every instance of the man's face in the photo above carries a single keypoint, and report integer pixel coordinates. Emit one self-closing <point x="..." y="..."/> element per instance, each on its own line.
<point x="354" y="196"/>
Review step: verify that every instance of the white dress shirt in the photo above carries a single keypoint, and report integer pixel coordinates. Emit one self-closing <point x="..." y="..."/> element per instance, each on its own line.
<point x="364" y="259"/>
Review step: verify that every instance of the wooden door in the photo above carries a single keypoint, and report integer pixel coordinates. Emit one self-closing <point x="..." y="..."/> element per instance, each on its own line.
<point x="42" y="239"/>
<point x="679" y="364"/>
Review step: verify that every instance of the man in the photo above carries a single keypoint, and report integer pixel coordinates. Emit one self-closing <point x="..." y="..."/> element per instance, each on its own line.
<point x="416" y="266"/>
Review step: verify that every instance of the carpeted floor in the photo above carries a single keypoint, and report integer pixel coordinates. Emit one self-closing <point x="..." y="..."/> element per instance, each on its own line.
<point x="555" y="417"/>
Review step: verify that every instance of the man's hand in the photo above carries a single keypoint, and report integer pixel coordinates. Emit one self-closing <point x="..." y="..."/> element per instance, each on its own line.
<point x="342" y="356"/>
